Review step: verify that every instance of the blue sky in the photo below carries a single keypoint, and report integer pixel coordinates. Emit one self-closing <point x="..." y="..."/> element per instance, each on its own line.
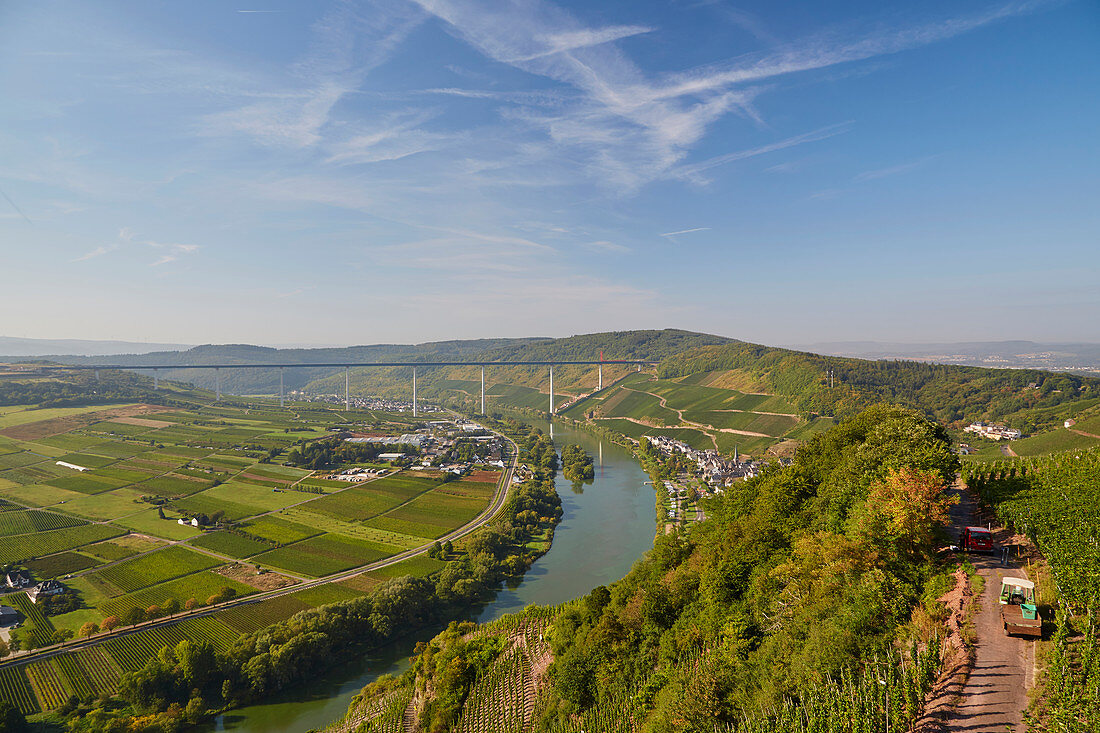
<point x="359" y="172"/>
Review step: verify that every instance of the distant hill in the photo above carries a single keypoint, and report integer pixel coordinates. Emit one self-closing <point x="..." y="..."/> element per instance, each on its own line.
<point x="653" y="345"/>
<point x="21" y="347"/>
<point x="1083" y="357"/>
<point x="708" y="390"/>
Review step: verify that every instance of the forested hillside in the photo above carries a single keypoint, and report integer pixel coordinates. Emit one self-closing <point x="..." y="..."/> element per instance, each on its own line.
<point x="945" y="392"/>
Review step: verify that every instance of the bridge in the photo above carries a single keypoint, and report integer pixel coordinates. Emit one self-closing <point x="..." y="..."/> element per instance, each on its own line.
<point x="347" y="366"/>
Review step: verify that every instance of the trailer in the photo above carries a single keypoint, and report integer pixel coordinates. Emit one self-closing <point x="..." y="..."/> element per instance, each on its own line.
<point x="1019" y="613"/>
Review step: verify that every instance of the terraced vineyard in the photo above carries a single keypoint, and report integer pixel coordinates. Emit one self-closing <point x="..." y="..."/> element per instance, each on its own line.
<point x="696" y="410"/>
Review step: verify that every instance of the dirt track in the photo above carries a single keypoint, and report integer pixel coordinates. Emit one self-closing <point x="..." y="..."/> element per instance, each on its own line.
<point x="995" y="694"/>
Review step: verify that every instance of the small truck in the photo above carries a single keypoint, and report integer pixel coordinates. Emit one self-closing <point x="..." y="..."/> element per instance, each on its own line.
<point x="976" y="539"/>
<point x="1018" y="610"/>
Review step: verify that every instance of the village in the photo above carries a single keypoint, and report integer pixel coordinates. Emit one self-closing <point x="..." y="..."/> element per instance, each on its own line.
<point x="713" y="475"/>
<point x="993" y="432"/>
<point x="379" y="404"/>
<point x="452" y="446"/>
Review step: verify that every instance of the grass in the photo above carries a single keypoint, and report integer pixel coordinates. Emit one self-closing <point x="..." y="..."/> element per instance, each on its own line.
<point x="121" y="548"/>
<point x="30" y="415"/>
<point x="108" y="505"/>
<point x="259" y="498"/>
<point x="364" y="531"/>
<point x="149" y="522"/>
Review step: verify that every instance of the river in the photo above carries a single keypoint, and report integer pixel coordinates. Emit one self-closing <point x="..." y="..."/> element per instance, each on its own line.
<point x="604" y="528"/>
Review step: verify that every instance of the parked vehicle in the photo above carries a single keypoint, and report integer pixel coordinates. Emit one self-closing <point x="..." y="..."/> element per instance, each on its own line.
<point x="977" y="539"/>
<point x="1019" y="613"/>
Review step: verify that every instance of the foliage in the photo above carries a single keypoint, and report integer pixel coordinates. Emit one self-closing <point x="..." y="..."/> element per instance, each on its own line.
<point x="336" y="451"/>
<point x="577" y="464"/>
<point x="947" y="392"/>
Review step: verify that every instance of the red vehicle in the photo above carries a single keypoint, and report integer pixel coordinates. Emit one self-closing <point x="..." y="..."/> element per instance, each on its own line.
<point x="977" y="539"/>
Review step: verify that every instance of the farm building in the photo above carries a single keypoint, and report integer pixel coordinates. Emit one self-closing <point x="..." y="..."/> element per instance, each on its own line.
<point x="8" y="616"/>
<point x="45" y="588"/>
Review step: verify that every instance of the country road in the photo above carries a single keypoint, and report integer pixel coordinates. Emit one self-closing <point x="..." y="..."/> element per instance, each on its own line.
<point x="994" y="697"/>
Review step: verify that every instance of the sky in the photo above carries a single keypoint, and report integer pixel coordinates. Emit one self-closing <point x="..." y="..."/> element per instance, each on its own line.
<point x="265" y="171"/>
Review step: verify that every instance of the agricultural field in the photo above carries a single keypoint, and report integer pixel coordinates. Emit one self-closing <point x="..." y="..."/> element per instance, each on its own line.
<point x="119" y="535"/>
<point x="156" y="567"/>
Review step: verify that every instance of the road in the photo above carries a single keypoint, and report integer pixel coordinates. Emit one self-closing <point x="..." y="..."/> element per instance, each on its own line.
<point x="499" y="498"/>
<point x="994" y="696"/>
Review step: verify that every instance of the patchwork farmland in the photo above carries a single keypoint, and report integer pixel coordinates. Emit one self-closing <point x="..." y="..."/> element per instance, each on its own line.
<point x="186" y="524"/>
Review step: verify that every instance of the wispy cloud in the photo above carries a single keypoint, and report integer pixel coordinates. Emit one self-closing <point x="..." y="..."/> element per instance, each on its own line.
<point x="630" y="128"/>
<point x="17" y="209"/>
<point x="892" y="170"/>
<point x="169" y="252"/>
<point x="348" y="43"/>
<point x="602" y="245"/>
<point x="691" y="172"/>
<point x="686" y="231"/>
<point x="97" y="252"/>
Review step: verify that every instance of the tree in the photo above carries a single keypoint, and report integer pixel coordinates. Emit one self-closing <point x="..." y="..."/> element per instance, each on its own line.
<point x="134" y="616"/>
<point x="11" y="720"/>
<point x="61" y="635"/>
<point x="910" y="506"/>
<point x="5" y="650"/>
<point x="109" y="624"/>
<point x="171" y="606"/>
<point x="191" y="604"/>
<point x="88" y="629"/>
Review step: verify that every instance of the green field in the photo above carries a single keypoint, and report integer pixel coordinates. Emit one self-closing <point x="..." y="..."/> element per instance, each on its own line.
<point x="279" y="530"/>
<point x="200" y="586"/>
<point x="13" y="549"/>
<point x="155" y="567"/>
<point x="1056" y="440"/>
<point x="23" y="415"/>
<point x="233" y="545"/>
<point x="326" y="554"/>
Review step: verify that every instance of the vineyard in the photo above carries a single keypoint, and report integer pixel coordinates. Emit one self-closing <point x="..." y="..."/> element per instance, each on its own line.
<point x="1055" y="502"/>
<point x="16" y="689"/>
